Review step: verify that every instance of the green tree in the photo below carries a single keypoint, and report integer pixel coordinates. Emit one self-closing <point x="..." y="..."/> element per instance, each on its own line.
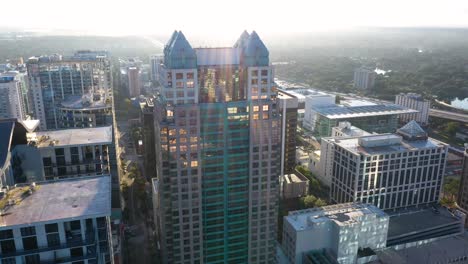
<point x="452" y="128"/>
<point x="319" y="203"/>
<point x="451" y="188"/>
<point x="128" y="104"/>
<point x="308" y="201"/>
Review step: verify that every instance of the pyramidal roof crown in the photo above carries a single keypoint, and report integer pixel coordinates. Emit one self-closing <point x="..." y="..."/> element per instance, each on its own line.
<point x="173" y="36"/>
<point x="178" y="53"/>
<point x="412" y="130"/>
<point x="255" y="46"/>
<point x="242" y="41"/>
<point x="255" y="52"/>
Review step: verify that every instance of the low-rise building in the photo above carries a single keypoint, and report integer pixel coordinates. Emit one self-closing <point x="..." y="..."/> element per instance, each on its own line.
<point x="363" y="233"/>
<point x="409" y="228"/>
<point x="448" y="250"/>
<point x="294" y="185"/>
<point x="369" y="116"/>
<point x="344" y="230"/>
<point x="57" y="222"/>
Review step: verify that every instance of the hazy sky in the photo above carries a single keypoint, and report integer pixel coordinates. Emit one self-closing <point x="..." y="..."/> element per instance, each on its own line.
<point x="210" y="16"/>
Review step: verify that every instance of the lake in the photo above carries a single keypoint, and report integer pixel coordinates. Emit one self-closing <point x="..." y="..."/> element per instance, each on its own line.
<point x="460" y="103"/>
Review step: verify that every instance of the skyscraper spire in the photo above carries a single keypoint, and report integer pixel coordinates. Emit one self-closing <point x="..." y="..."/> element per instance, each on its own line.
<point x="255" y="52"/>
<point x="240" y="43"/>
<point x="179" y="53"/>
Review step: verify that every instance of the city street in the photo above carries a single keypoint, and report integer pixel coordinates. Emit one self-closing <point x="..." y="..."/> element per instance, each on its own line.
<point x="138" y="232"/>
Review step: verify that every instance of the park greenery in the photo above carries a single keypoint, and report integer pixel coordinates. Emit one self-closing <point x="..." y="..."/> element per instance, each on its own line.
<point x="310" y="201"/>
<point x="316" y="188"/>
<point x="450" y="192"/>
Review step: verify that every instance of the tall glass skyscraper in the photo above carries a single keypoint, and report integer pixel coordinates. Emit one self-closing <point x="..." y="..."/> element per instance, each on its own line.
<point x="217" y="139"/>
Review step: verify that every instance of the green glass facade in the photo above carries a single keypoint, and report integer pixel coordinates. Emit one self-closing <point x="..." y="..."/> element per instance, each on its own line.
<point x="224" y="136"/>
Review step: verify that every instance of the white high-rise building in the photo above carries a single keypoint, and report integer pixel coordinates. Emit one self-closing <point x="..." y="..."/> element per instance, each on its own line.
<point x="388" y="170"/>
<point x="155" y="63"/>
<point x="364" y="78"/>
<point x="12" y="100"/>
<point x="416" y="102"/>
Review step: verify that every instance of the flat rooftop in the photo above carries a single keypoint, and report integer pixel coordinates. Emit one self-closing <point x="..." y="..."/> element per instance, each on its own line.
<point x="350" y="130"/>
<point x="439" y="251"/>
<point x="340" y="214"/>
<point x="80" y="103"/>
<point x="77" y="136"/>
<point x="294" y="178"/>
<point x="56" y="200"/>
<point x="411" y="221"/>
<point x="341" y="112"/>
<point x="302" y="93"/>
<point x="352" y="144"/>
<point x="356" y="102"/>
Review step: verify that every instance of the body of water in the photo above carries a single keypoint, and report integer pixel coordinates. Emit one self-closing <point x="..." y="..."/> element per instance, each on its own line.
<point x="460" y="103"/>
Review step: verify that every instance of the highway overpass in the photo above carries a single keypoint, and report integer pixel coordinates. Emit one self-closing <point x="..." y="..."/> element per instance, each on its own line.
<point x="449" y="115"/>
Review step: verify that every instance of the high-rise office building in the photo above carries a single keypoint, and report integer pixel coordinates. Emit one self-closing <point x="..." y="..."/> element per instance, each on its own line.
<point x="54" y="79"/>
<point x="416" y="102"/>
<point x="217" y="132"/>
<point x="388" y="170"/>
<point x="134" y="84"/>
<point x="147" y="122"/>
<point x="463" y="193"/>
<point x="13" y="102"/>
<point x="364" y="78"/>
<point x="155" y="63"/>
<point x="288" y="106"/>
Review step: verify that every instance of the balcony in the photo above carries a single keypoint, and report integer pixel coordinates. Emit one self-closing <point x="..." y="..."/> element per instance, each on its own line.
<point x="70" y="259"/>
<point x="81" y="162"/>
<point x="72" y="241"/>
<point x="84" y="173"/>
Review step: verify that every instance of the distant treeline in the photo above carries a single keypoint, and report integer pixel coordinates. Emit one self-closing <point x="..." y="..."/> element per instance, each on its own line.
<point x="433" y="62"/>
<point x="117" y="46"/>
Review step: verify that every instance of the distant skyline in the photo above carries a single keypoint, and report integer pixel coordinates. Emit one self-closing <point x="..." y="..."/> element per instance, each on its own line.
<point x="223" y="18"/>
